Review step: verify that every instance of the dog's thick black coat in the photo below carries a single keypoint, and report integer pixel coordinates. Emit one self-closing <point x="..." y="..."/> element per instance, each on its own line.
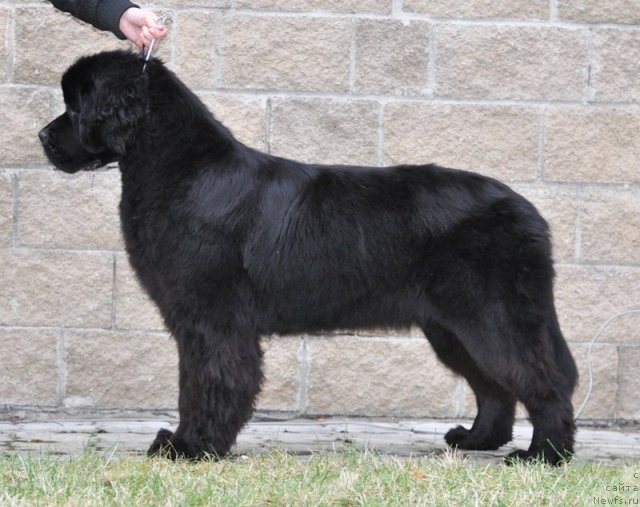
<point x="233" y="244"/>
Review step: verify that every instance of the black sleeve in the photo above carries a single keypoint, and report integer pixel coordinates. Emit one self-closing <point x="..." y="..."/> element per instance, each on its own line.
<point x="103" y="14"/>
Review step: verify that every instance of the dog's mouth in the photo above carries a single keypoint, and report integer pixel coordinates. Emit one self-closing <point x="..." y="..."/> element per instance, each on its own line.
<point x="73" y="162"/>
<point x="94" y="166"/>
<point x="63" y="162"/>
<point x="98" y="166"/>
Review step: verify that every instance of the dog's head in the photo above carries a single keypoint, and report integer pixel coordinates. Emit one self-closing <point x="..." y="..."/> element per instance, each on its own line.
<point x="105" y="98"/>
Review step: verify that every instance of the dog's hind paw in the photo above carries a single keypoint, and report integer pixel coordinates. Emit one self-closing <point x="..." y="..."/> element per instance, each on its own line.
<point x="553" y="458"/>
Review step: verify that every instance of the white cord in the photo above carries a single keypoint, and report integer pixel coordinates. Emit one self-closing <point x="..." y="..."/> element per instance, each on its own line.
<point x="593" y="341"/>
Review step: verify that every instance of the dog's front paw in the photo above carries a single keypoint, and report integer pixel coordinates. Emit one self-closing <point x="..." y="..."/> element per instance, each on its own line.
<point x="162" y="445"/>
<point x="463" y="438"/>
<point x="457" y="437"/>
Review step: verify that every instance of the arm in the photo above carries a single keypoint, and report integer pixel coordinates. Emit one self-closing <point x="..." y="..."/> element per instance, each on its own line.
<point x="103" y="14"/>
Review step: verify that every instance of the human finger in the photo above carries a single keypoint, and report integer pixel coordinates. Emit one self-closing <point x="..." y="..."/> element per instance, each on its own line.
<point x="158" y="31"/>
<point x="147" y="36"/>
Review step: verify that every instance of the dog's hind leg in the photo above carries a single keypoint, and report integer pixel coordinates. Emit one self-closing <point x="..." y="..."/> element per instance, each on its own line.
<point x="545" y="388"/>
<point x="530" y="360"/>
<point x="220" y="376"/>
<point x="493" y="424"/>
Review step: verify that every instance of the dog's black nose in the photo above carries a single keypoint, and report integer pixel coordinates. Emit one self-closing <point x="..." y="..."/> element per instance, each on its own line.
<point x="43" y="135"/>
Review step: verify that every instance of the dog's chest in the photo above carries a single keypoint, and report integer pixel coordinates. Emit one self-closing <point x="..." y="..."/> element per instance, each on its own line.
<point x="149" y="236"/>
<point x="172" y="246"/>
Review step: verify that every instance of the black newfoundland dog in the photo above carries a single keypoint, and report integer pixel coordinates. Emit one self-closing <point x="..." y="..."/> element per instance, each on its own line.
<point x="232" y="244"/>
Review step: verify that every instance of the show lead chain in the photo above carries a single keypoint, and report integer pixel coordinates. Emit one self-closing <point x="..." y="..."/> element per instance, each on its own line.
<point x="163" y="20"/>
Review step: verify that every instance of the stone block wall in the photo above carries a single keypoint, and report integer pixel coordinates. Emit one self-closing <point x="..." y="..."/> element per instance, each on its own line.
<point x="541" y="94"/>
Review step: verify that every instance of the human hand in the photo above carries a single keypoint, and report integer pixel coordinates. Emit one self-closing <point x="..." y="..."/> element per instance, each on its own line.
<point x="141" y="26"/>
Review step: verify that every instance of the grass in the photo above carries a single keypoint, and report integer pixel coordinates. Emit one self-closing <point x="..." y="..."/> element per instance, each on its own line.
<point x="347" y="478"/>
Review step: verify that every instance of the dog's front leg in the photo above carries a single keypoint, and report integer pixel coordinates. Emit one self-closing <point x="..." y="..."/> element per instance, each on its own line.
<point x="220" y="376"/>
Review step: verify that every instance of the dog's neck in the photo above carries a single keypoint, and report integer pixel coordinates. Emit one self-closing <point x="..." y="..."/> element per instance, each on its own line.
<point x="171" y="102"/>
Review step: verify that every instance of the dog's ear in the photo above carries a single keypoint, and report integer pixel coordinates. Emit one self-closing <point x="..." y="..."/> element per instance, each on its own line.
<point x="122" y="106"/>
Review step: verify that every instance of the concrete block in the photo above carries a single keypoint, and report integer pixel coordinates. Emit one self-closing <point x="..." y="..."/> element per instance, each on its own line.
<point x="614" y="73"/>
<point x="6" y="210"/>
<point x="347" y="6"/>
<point x="316" y="56"/>
<point x="69" y="211"/>
<point x="591" y="145"/>
<point x="588" y="11"/>
<point x="498" y="141"/>
<point x="23" y="112"/>
<point x="391" y="57"/>
<point x="282" y="374"/>
<point x="244" y="116"/>
<point x="587" y="296"/>
<point x="56" y="288"/>
<point x="325" y="131"/>
<point x="368" y="376"/>
<point x="628" y="400"/>
<point x="533" y="9"/>
<point x="120" y="370"/>
<point x="195" y="47"/>
<point x="41" y="32"/>
<point x="211" y="4"/>
<point x="5" y="27"/>
<point x="604" y="368"/>
<point x="29" y="373"/>
<point x="610" y="226"/>
<point x="505" y="62"/>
